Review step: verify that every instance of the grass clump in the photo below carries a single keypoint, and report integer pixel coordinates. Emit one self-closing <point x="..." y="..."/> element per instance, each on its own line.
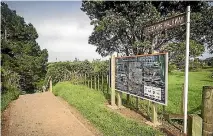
<point x="7" y="97"/>
<point x="91" y="105"/>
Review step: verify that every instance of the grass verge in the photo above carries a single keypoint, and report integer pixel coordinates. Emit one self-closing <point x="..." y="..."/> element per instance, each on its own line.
<point x="91" y="105"/>
<point x="7" y="97"/>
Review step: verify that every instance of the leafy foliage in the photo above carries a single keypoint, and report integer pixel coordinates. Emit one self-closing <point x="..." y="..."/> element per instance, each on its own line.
<point x="119" y="25"/>
<point x="172" y="67"/>
<point x="21" y="55"/>
<point x="177" y="51"/>
<point x="75" y="71"/>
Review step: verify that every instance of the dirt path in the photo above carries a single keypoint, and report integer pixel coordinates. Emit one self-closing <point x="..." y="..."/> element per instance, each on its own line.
<point x="41" y="114"/>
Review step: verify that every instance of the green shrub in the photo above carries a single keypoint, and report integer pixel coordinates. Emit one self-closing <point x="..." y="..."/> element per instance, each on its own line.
<point x="9" y="87"/>
<point x="75" y="71"/>
<point x="10" y="95"/>
<point x="195" y="66"/>
<point x="171" y="67"/>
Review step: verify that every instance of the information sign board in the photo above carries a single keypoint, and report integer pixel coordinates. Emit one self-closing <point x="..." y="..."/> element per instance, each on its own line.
<point x="142" y="76"/>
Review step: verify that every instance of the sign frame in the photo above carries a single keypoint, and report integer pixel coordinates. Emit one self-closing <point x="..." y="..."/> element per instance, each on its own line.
<point x="169" y="23"/>
<point x="166" y="78"/>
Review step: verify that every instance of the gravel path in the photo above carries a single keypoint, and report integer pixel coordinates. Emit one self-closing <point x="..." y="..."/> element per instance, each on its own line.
<point x="41" y="114"/>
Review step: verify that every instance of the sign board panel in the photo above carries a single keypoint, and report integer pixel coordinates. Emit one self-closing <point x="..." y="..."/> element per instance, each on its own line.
<point x="166" y="24"/>
<point x="142" y="76"/>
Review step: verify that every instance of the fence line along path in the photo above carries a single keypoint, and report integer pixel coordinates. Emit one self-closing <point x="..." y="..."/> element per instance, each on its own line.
<point x="41" y="114"/>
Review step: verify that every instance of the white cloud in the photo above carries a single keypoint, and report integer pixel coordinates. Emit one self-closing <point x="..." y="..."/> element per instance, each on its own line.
<point x="66" y="38"/>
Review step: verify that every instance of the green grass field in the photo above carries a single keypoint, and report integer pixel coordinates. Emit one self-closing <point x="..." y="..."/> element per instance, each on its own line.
<point x="196" y="82"/>
<point x="176" y="79"/>
<point x="91" y="105"/>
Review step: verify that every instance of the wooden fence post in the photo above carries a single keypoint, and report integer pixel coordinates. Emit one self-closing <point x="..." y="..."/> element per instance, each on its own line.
<point x="113" y="80"/>
<point x="91" y="82"/>
<point x="194" y="127"/>
<point x="102" y="82"/>
<point x="78" y="77"/>
<point x="98" y="82"/>
<point x="88" y="80"/>
<point x="51" y="88"/>
<point x="107" y="83"/>
<point x="207" y="110"/>
<point x="182" y="100"/>
<point x="95" y="82"/>
<point x="85" y="78"/>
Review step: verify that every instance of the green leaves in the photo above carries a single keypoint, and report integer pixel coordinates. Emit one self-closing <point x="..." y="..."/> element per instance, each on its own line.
<point x="76" y="70"/>
<point x="119" y="25"/>
<point x="177" y="51"/>
<point x="20" y="51"/>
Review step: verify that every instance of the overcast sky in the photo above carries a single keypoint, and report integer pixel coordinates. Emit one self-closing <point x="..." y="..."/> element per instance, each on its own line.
<point x="62" y="27"/>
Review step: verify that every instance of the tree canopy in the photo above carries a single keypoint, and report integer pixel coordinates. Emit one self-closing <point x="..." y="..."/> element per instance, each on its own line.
<point x="119" y="25"/>
<point x="21" y="54"/>
<point x="176" y="55"/>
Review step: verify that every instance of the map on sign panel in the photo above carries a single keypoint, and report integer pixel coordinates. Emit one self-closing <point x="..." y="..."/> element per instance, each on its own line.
<point x="142" y="76"/>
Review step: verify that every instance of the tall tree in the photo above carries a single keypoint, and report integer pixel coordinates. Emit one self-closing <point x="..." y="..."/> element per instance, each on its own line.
<point x="20" y="51"/>
<point x="176" y="55"/>
<point x="118" y="26"/>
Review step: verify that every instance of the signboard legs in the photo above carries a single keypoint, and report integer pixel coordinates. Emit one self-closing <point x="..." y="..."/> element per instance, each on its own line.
<point x="119" y="96"/>
<point x="186" y="69"/>
<point x="113" y="80"/>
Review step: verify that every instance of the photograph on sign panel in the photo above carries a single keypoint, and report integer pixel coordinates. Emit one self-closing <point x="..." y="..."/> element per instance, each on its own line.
<point x="143" y="76"/>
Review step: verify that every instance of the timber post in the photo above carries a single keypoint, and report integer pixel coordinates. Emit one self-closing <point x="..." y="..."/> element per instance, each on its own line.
<point x="91" y="82"/>
<point x="98" y="81"/>
<point x="112" y="80"/>
<point x="102" y="81"/>
<point x="95" y="82"/>
<point x="154" y="114"/>
<point x="51" y="88"/>
<point x="182" y="100"/>
<point x="107" y="83"/>
<point x="207" y="110"/>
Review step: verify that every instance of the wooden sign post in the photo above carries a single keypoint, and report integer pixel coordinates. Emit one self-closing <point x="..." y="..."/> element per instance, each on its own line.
<point x="113" y="80"/>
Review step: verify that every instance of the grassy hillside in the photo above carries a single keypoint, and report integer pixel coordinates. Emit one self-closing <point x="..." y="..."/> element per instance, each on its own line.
<point x="91" y="104"/>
